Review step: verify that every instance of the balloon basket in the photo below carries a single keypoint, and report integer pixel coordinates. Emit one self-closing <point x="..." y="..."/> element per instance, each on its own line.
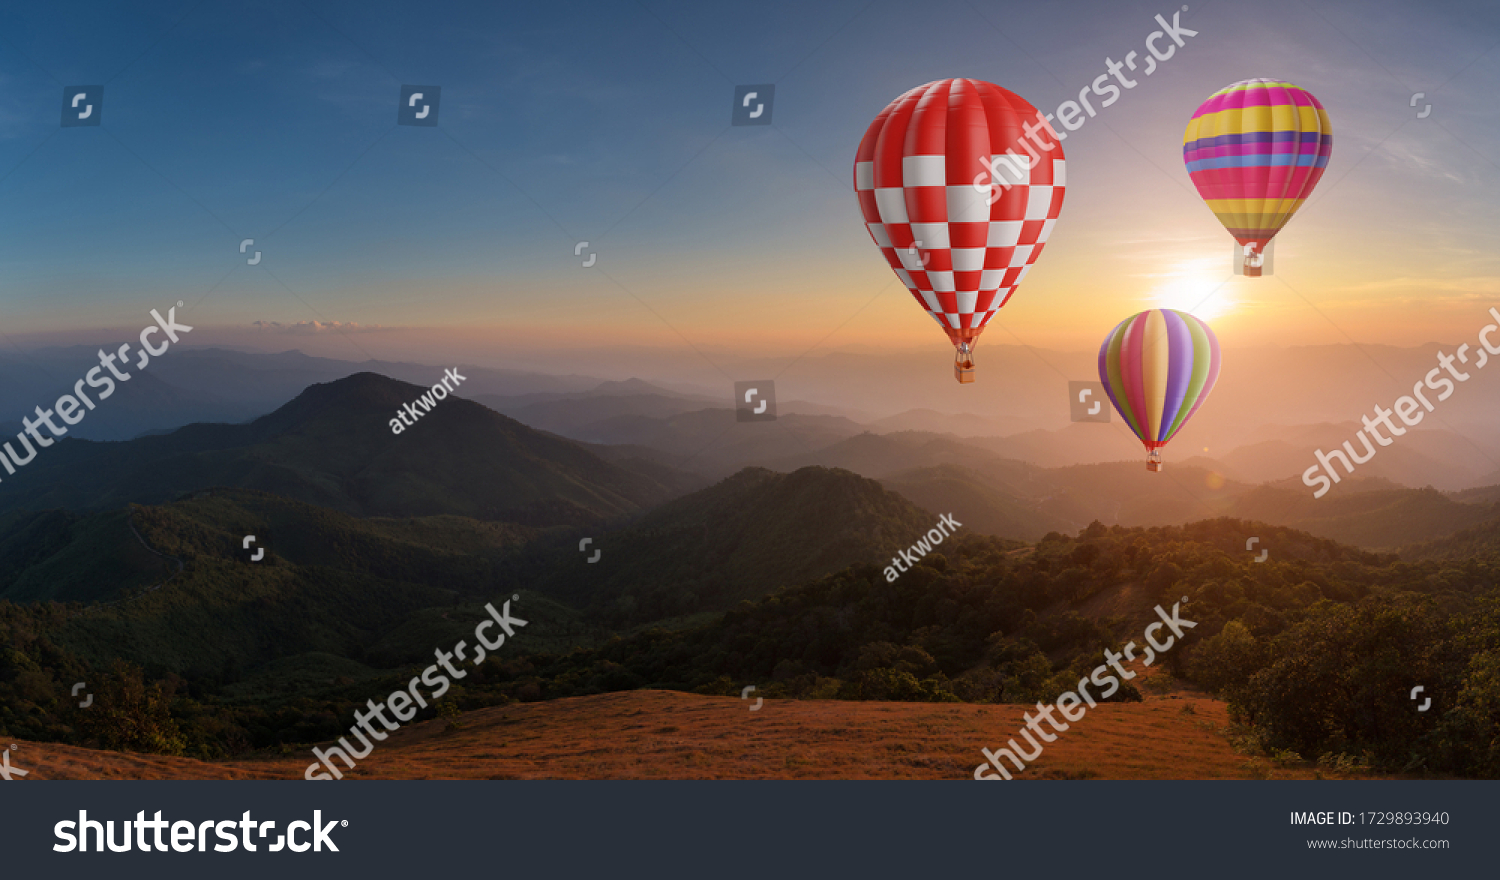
<point x="963" y="365"/>
<point x="1252" y="263"/>
<point x="1153" y="462"/>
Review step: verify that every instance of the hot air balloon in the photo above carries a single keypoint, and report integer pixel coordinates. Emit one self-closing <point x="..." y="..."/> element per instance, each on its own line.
<point x="960" y="183"/>
<point x="1255" y="150"/>
<point x="1157" y="368"/>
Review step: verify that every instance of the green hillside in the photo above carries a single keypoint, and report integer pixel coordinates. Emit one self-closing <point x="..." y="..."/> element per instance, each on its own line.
<point x="742" y="538"/>
<point x="1479" y="542"/>
<point x="213" y="524"/>
<point x="1386" y="518"/>
<point x="327" y="583"/>
<point x="382" y="591"/>
<point x="73" y="558"/>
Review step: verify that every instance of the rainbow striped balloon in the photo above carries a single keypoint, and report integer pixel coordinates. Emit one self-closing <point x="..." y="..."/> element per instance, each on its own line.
<point x="1157" y="368"/>
<point x="1255" y="150"/>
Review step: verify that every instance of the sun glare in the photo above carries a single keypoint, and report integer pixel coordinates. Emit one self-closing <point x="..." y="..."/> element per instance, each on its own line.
<point x="1194" y="288"/>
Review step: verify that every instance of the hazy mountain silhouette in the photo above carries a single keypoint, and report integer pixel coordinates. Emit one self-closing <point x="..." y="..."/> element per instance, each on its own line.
<point x="333" y="446"/>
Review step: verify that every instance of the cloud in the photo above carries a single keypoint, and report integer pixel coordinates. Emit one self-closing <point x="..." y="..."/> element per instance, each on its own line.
<point x="308" y="328"/>
<point x="1428" y="159"/>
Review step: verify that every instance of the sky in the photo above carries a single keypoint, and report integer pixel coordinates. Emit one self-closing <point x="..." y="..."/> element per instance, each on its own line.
<point x="608" y="123"/>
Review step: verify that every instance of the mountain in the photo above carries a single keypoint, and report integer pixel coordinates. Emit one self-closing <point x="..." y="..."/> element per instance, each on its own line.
<point x="644" y="417"/>
<point x="1078" y="443"/>
<point x="958" y="424"/>
<point x="333" y="446"/>
<point x="143" y="404"/>
<point x="1384" y="516"/>
<point x="56" y="555"/>
<point x="978" y="505"/>
<point x="329" y="591"/>
<point x="1486" y="494"/>
<point x="1254" y="434"/>
<point x="222" y="385"/>
<point x="507" y="403"/>
<point x="1015" y="499"/>
<point x="997" y="495"/>
<point x="713" y="442"/>
<point x="1289" y="385"/>
<point x="883" y="455"/>
<point x="187" y="596"/>
<point x="1436" y="457"/>
<point x="808" y="408"/>
<point x="743" y="538"/>
<point x="997" y="500"/>
<point x="276" y="378"/>
<point x="578" y="417"/>
<point x="1479" y="542"/>
<point x="1125" y="493"/>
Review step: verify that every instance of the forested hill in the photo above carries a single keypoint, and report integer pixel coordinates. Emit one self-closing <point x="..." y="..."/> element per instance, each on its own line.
<point x="743" y="538"/>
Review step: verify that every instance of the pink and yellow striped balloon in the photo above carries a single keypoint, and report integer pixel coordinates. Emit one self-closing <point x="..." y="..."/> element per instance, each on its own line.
<point x="1157" y="368"/>
<point x="1255" y="150"/>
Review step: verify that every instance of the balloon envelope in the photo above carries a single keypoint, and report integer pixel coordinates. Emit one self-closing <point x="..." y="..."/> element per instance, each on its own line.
<point x="916" y="173"/>
<point x="1255" y="150"/>
<point x="1157" y="368"/>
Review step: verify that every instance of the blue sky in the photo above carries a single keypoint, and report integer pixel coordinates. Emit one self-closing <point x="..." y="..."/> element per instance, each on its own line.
<point x="608" y="122"/>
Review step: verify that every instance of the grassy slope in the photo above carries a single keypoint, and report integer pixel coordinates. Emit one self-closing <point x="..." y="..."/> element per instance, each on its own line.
<point x="665" y="735"/>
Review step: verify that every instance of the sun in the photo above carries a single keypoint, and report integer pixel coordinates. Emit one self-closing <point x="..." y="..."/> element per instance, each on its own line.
<point x="1194" y="287"/>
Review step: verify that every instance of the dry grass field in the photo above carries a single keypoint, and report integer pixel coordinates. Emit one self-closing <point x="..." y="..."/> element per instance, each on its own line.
<point x="671" y="735"/>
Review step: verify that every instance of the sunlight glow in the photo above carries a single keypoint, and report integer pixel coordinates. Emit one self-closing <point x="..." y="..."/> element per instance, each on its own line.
<point x="1195" y="287"/>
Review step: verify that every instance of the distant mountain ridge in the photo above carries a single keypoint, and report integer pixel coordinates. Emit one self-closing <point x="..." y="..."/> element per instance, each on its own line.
<point x="1252" y="434"/>
<point x="207" y="384"/>
<point x="332" y="446"/>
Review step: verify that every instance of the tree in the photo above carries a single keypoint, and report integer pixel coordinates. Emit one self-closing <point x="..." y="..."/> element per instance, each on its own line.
<point x="130" y="715"/>
<point x="1227" y="660"/>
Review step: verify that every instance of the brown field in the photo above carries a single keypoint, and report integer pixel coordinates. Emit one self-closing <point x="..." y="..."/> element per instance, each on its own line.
<point x="671" y="735"/>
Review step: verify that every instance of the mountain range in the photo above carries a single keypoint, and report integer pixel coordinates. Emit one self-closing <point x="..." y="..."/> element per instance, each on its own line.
<point x="1264" y="423"/>
<point x="283" y="566"/>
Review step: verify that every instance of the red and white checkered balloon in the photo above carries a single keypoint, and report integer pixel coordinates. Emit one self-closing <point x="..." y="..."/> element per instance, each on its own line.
<point x="960" y="183"/>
